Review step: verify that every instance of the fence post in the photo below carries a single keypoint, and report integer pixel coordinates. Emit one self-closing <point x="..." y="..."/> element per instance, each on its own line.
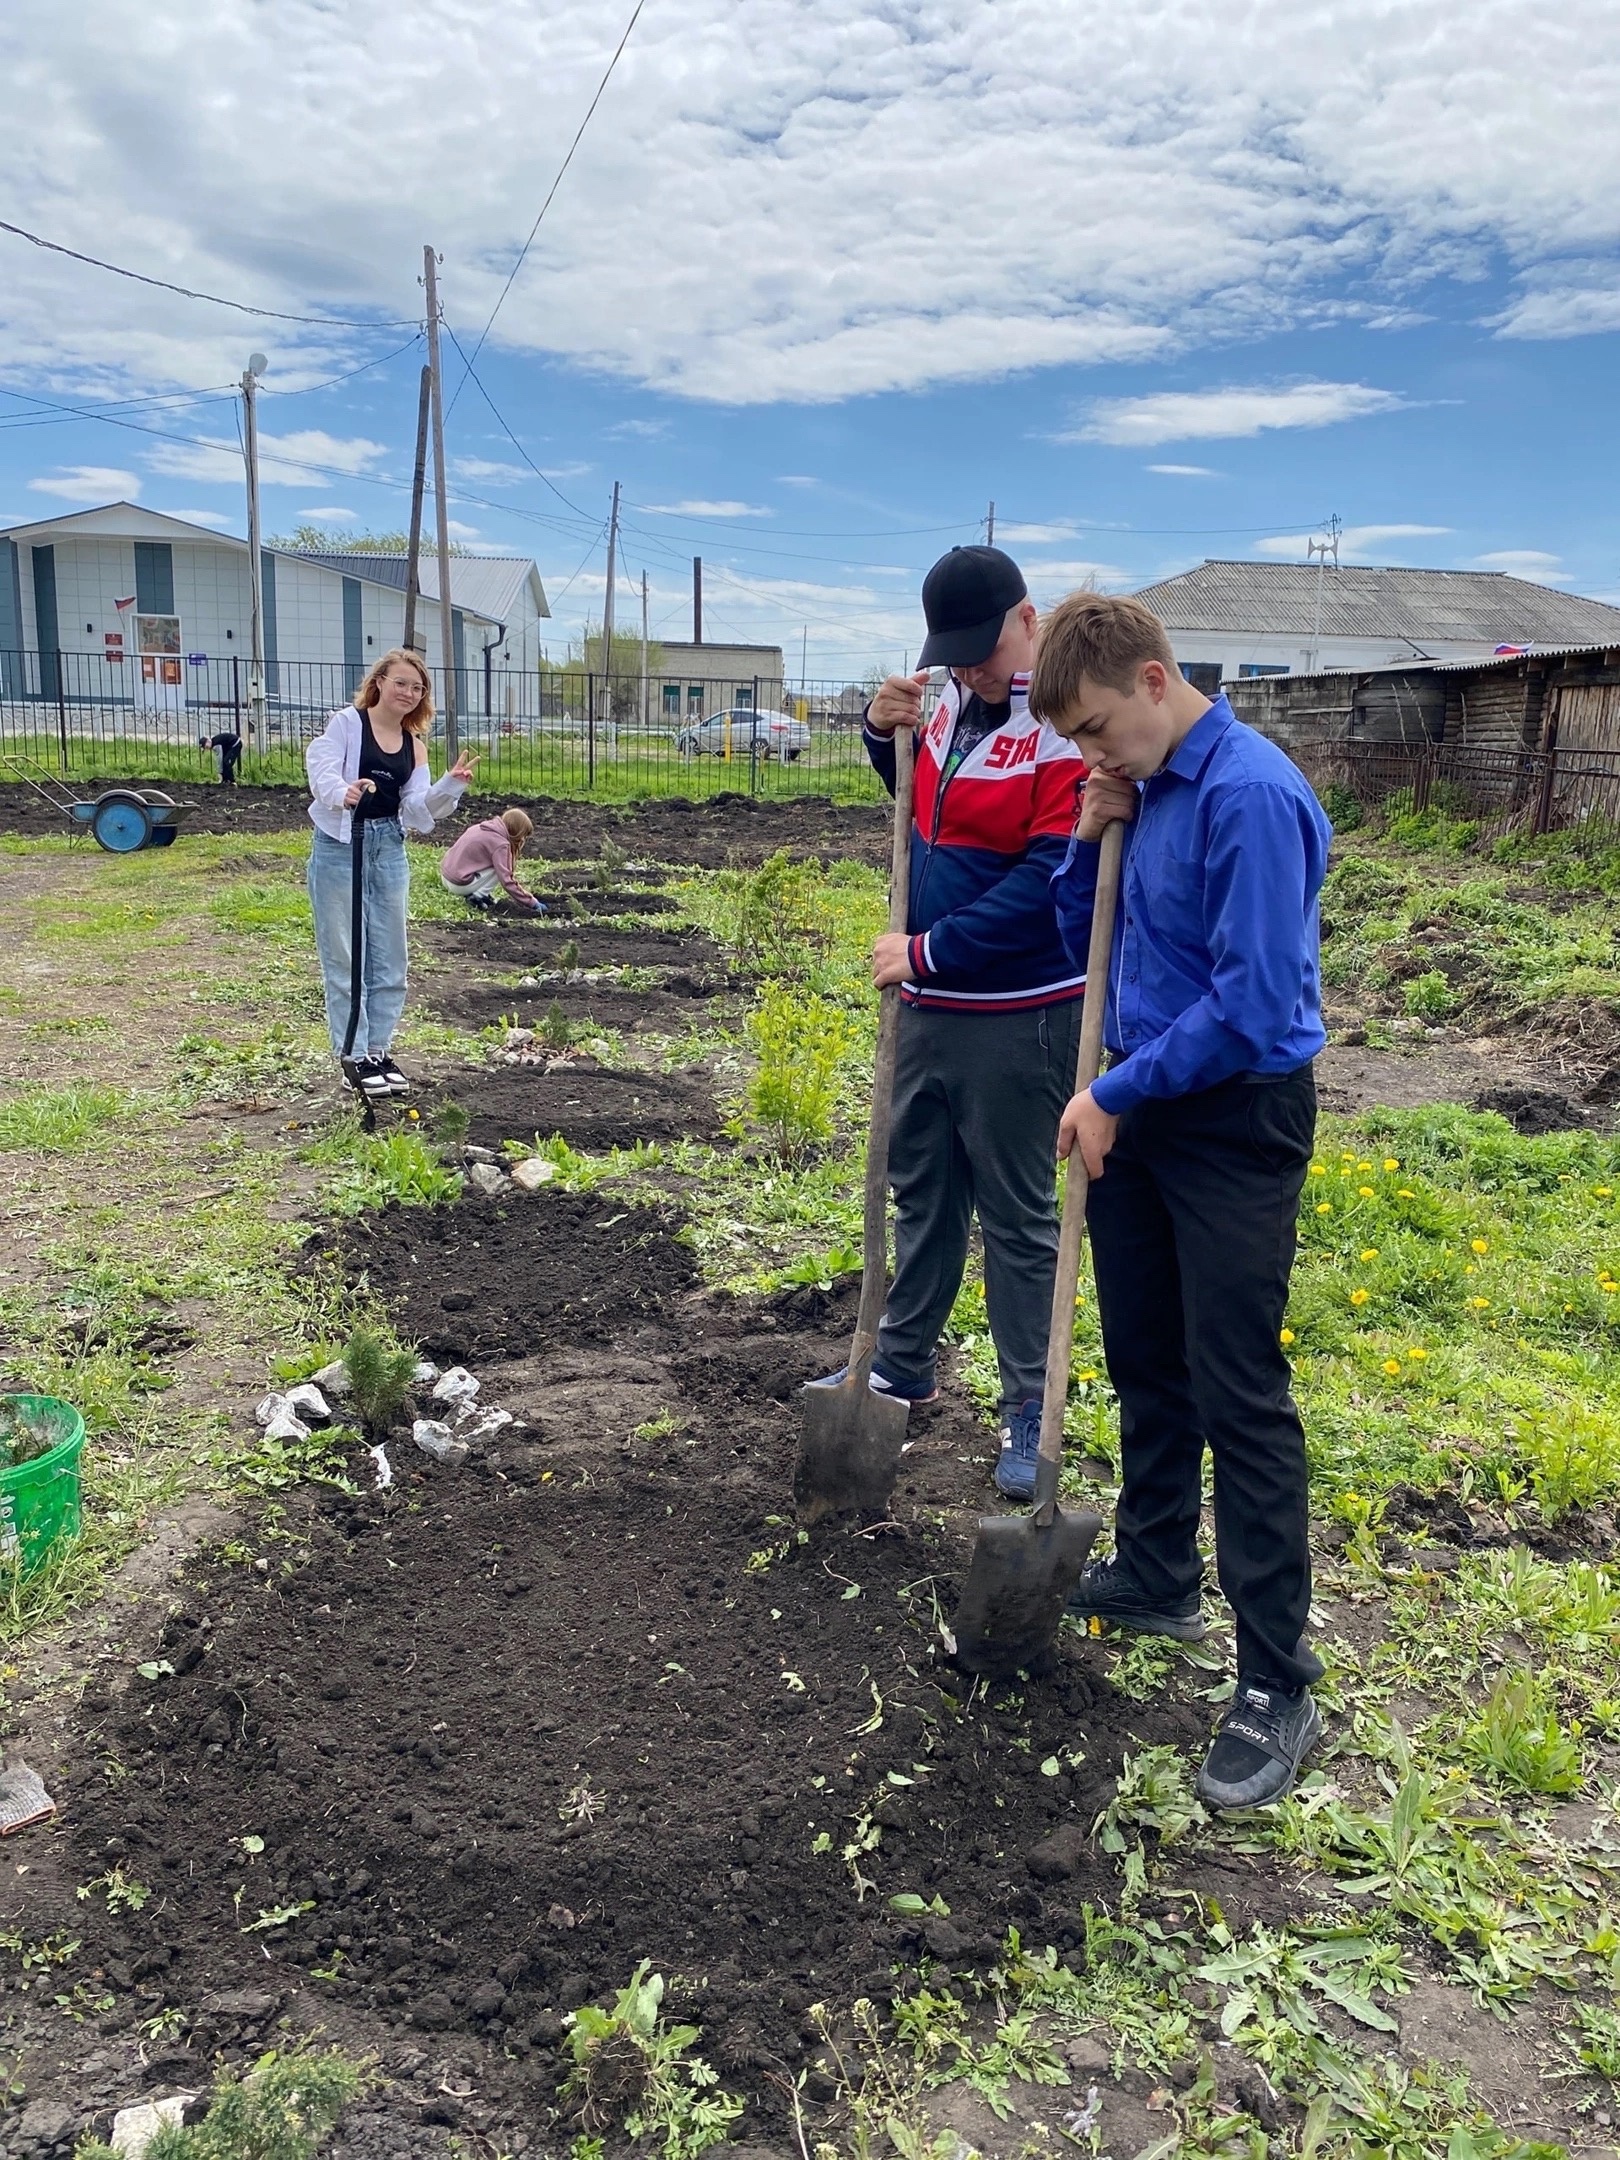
<point x="61" y="715"/>
<point x="236" y="693"/>
<point x="1544" y="793"/>
<point x="755" y="753"/>
<point x="590" y="729"/>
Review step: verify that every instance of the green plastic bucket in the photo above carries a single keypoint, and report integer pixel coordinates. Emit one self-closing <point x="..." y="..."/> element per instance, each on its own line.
<point x="39" y="1500"/>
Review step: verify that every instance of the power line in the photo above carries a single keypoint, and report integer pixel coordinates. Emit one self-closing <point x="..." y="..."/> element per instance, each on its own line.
<point x="332" y="381"/>
<point x="505" y="429"/>
<point x="187" y="292"/>
<point x="557" y="183"/>
<point x="214" y="394"/>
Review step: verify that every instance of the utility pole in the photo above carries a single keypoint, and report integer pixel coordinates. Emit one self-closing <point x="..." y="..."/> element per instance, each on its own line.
<point x="804" y="658"/>
<point x="447" y="628"/>
<point x="413" y="557"/>
<point x="1319" y="550"/>
<point x="250" y="453"/>
<point x="990" y="527"/>
<point x="607" y="599"/>
<point x="697" y="599"/>
<point x="644" y="716"/>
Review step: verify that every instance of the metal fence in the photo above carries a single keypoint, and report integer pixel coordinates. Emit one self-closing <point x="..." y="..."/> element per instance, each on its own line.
<point x="569" y="733"/>
<point x="1498" y="790"/>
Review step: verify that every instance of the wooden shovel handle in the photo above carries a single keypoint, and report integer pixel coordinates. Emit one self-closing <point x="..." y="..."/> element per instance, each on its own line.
<point x="1060" y="1339"/>
<point x="875" y="1240"/>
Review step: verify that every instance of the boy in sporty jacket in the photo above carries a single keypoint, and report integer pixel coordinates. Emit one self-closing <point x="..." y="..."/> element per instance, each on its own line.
<point x="989" y="1011"/>
<point x="1198" y="1138"/>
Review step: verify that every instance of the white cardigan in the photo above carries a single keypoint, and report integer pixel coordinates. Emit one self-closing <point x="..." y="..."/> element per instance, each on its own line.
<point x="332" y="762"/>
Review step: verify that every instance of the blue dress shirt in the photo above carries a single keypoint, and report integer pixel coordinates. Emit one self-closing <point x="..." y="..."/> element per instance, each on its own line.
<point x="1216" y="964"/>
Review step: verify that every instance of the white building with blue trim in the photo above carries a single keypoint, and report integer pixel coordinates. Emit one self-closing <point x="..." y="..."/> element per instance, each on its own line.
<point x="110" y="585"/>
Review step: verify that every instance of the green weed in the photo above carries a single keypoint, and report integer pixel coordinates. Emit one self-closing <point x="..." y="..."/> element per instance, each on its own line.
<point x="59" y="1120"/>
<point x="1517" y="1739"/>
<point x="380" y="1369"/>
<point x="282" y="2110"/>
<point x="800" y="1041"/>
<point x="631" y="2070"/>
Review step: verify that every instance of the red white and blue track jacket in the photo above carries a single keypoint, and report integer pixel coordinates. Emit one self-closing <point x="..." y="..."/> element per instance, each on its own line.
<point x="989" y="828"/>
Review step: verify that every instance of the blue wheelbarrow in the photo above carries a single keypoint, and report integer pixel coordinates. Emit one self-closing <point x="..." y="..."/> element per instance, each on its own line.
<point x="118" y="819"/>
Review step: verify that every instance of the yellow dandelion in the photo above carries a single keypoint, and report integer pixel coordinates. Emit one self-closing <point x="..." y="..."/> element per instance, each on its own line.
<point x="1286" y="1336"/>
<point x="1480" y="1245"/>
<point x="1609" y="1288"/>
<point x="1405" y="1192"/>
<point x="1479" y="1303"/>
<point x="1604" y="1192"/>
<point x="413" y="1115"/>
<point x="1359" y="1297"/>
<point x="1366" y="1192"/>
<point x="1392" y="1365"/>
<point x="1419" y="1354"/>
<point x="1088" y="1376"/>
<point x="1369" y="1252"/>
<point x="1318" y="1169"/>
<point x="1324" y="1207"/>
<point x="1363" y="1165"/>
<point x="1392" y="1162"/>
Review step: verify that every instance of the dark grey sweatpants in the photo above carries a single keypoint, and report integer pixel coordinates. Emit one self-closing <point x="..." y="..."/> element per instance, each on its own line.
<point x="977" y="1098"/>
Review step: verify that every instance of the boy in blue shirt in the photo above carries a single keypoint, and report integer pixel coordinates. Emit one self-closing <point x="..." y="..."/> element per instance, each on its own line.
<point x="1198" y="1139"/>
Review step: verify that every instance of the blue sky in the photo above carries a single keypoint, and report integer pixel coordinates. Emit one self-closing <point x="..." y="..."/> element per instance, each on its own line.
<point x="1164" y="281"/>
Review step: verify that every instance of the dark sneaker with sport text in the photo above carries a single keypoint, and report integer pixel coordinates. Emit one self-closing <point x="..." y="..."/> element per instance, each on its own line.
<point x="1014" y="1473"/>
<point x="912" y="1388"/>
<point x="1108" y="1591"/>
<point x="1263" y="1739"/>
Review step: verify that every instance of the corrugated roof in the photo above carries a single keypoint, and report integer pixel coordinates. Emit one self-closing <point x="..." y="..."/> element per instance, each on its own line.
<point x="490" y="586"/>
<point x="1424" y="606"/>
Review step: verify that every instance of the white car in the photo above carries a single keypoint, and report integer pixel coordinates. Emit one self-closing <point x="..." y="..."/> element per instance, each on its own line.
<point x="751" y="734"/>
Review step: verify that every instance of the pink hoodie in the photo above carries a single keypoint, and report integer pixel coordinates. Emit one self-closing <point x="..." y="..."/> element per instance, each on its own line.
<point x="486" y="846"/>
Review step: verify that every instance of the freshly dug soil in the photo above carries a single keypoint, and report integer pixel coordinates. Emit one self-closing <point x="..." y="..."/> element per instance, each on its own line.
<point x="682" y="1002"/>
<point x="513" y="942"/>
<point x="506" y="1731"/>
<point x="727" y="828"/>
<point x="1533" y="1110"/>
<point x="492" y="1278"/>
<point x="591" y="1107"/>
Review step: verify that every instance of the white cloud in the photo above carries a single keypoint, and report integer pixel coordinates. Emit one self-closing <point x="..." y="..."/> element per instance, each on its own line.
<point x="1049" y="581"/>
<point x="797" y="479"/>
<point x="1187" y="472"/>
<point x="89" y="484"/>
<point x="284" y="460"/>
<point x="704" y="510"/>
<point x="1033" y="535"/>
<point x="637" y="430"/>
<point x="1192" y="415"/>
<point x="331" y="514"/>
<point x="1560" y="300"/>
<point x="1122" y="182"/>
<point x="1357" y="543"/>
<point x="1532" y="563"/>
<point x="489" y="470"/>
<point x="218" y="522"/>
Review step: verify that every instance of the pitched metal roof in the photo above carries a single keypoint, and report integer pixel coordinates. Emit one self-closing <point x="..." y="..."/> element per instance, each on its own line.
<point x="1424" y="606"/>
<point x="489" y="586"/>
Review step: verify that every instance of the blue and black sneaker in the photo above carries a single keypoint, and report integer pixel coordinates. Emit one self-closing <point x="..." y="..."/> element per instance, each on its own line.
<point x="917" y="1389"/>
<point x="1020" y="1443"/>
<point x="1108" y="1591"/>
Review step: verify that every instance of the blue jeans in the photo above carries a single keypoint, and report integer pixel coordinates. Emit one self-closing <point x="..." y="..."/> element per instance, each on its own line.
<point x="387" y="891"/>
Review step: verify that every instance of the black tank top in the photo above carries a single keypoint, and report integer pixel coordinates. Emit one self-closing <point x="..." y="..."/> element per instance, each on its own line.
<point x="388" y="771"/>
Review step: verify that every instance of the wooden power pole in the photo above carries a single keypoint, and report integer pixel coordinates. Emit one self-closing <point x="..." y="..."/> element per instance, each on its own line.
<point x="607" y="598"/>
<point x="697" y="599"/>
<point x="447" y="628"/>
<point x="413" y="557"/>
<point x="250" y="455"/>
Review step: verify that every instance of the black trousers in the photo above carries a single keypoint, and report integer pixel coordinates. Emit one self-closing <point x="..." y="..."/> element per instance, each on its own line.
<point x="1192" y="1234"/>
<point x="977" y="1098"/>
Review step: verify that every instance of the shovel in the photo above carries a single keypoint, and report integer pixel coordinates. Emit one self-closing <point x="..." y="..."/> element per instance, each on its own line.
<point x="849" y="1450"/>
<point x="1024" y="1566"/>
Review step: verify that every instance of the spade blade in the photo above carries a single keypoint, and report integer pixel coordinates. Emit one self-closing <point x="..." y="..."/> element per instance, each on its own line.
<point x="1017" y="1586"/>
<point x="849" y="1451"/>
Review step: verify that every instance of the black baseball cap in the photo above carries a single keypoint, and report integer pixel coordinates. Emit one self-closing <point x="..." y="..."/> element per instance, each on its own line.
<point x="965" y="600"/>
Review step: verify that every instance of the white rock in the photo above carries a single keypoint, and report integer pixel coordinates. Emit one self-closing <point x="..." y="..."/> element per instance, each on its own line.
<point x="455" y="1386"/>
<point x="425" y="1371"/>
<point x="308" y="1401"/>
<point x="334" y="1379"/>
<point x="479" y="1154"/>
<point x="385" y="1469"/>
<point x="534" y="1173"/>
<point x="134" y="2128"/>
<point x="286" y="1425"/>
<point x="437" y="1440"/>
<point x="482" y="1423"/>
<point x="485" y="1178"/>
<point x="269" y="1406"/>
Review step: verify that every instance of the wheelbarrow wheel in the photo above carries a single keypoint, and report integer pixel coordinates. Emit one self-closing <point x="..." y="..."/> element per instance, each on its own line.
<point x="121" y="824"/>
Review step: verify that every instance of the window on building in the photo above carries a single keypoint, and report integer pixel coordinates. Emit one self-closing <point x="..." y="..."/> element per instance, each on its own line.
<point x="1204" y="675"/>
<point x="694" y="699"/>
<point x="1249" y="668"/>
<point x="672" y="701"/>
